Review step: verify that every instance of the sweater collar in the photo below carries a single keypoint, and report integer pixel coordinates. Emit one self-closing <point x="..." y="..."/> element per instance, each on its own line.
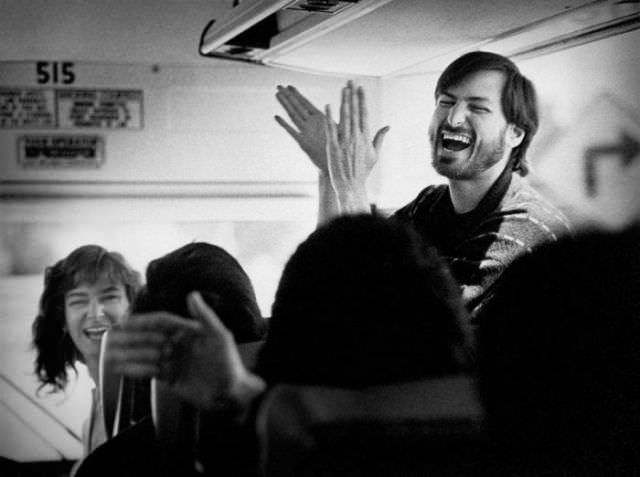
<point x="492" y="198"/>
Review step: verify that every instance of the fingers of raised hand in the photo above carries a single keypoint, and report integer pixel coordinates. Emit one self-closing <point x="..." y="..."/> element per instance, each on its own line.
<point x="157" y="359"/>
<point x="139" y="370"/>
<point x="136" y="362"/>
<point x="354" y="100"/>
<point x="363" y="112"/>
<point x="297" y="106"/>
<point x="122" y="339"/>
<point x="334" y="137"/>
<point x="165" y="370"/>
<point x="294" y="112"/>
<point x="345" y="123"/>
<point x="353" y="112"/>
<point x="336" y="159"/>
<point x="330" y="128"/>
<point x="330" y="135"/>
<point x="160" y="321"/>
<point x="146" y="355"/>
<point x="308" y="106"/>
<point x="287" y="127"/>
<point x="207" y="317"/>
<point x="379" y="137"/>
<point x="149" y="345"/>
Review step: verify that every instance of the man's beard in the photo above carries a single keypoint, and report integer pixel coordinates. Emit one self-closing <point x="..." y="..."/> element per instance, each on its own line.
<point x="485" y="157"/>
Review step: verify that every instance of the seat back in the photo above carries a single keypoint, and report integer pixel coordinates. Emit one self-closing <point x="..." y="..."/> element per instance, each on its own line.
<point x="430" y="427"/>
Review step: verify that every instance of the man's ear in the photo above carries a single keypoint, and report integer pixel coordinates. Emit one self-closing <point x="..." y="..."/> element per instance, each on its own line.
<point x="515" y="135"/>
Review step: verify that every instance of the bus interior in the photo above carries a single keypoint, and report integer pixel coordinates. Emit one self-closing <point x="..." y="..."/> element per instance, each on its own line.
<point x="143" y="125"/>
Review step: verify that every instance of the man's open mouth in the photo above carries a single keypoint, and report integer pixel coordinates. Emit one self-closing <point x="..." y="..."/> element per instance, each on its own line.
<point x="95" y="332"/>
<point x="455" y="141"/>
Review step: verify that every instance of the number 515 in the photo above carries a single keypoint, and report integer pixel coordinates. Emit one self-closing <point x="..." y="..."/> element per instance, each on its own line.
<point x="55" y="72"/>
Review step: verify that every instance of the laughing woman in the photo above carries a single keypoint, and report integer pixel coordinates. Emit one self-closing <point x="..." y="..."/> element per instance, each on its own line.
<point x="84" y="295"/>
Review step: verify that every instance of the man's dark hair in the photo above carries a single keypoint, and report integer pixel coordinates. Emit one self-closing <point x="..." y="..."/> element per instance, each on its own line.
<point x="363" y="301"/>
<point x="519" y="102"/>
<point x="218" y="276"/>
<point x="55" y="351"/>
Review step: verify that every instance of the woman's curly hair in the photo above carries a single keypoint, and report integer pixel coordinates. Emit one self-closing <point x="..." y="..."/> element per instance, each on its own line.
<point x="55" y="351"/>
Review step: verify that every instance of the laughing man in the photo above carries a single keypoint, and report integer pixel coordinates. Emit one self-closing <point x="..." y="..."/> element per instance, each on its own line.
<point x="485" y="118"/>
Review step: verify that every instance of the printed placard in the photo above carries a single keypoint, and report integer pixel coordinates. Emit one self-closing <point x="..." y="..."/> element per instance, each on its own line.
<point x="60" y="151"/>
<point x="99" y="108"/>
<point x="27" y="108"/>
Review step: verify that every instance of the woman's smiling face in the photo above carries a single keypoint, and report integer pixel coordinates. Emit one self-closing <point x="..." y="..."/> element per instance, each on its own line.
<point x="90" y="310"/>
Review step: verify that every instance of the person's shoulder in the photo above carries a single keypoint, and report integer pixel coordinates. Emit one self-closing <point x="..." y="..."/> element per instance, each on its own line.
<point x="522" y="193"/>
<point x="524" y="204"/>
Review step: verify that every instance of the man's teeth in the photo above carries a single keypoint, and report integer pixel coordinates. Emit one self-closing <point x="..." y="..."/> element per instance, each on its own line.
<point x="456" y="137"/>
<point x="455" y="141"/>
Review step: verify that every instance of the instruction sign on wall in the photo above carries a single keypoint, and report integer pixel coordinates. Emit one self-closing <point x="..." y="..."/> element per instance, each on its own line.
<point x="66" y="151"/>
<point x="27" y="108"/>
<point x="94" y="108"/>
<point x="70" y="108"/>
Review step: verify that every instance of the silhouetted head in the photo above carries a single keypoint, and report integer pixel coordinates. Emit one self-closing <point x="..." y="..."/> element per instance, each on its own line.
<point x="218" y="276"/>
<point x="363" y="301"/>
<point x="559" y="354"/>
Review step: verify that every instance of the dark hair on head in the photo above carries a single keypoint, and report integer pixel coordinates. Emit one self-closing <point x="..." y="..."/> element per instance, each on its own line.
<point x="519" y="102"/>
<point x="558" y="354"/>
<point x="363" y="301"/>
<point x="55" y="351"/>
<point x="218" y="276"/>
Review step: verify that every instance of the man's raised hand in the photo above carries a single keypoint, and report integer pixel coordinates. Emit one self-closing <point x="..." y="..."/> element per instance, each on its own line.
<point x="309" y="122"/>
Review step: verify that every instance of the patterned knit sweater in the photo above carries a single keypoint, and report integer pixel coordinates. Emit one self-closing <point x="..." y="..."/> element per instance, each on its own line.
<point x="510" y="220"/>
